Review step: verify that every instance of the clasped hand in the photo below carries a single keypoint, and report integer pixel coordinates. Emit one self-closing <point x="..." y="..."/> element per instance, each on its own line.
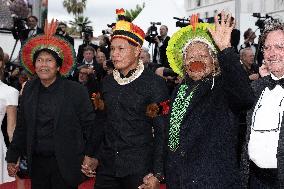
<point x="89" y="166"/>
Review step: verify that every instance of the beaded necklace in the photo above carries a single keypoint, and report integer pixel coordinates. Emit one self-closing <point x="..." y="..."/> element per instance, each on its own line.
<point x="124" y="81"/>
<point x="180" y="106"/>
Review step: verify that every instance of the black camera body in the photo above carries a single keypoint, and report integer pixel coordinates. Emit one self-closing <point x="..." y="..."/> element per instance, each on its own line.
<point x="87" y="30"/>
<point x="167" y="72"/>
<point x="18" y="26"/>
<point x="261" y="20"/>
<point x="59" y="31"/>
<point x="153" y="31"/>
<point x="181" y="22"/>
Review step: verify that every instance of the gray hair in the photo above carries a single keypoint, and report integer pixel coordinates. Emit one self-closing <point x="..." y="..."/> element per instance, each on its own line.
<point x="269" y="26"/>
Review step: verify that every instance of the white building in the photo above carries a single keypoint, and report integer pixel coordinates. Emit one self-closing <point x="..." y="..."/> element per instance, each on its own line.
<point x="241" y="9"/>
<point x="208" y="8"/>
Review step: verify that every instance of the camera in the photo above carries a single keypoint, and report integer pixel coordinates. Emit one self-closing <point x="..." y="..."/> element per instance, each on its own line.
<point x="59" y="31"/>
<point x="181" y="22"/>
<point x="153" y="31"/>
<point x="167" y="72"/>
<point x="19" y="25"/>
<point x="111" y="25"/>
<point x="87" y="30"/>
<point x="261" y="20"/>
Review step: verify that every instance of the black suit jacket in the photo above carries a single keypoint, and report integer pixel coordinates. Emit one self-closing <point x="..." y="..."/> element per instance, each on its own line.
<point x="73" y="126"/>
<point x="24" y="35"/>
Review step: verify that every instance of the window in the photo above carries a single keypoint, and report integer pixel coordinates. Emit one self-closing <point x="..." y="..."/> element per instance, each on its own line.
<point x="206" y="14"/>
<point x="198" y="3"/>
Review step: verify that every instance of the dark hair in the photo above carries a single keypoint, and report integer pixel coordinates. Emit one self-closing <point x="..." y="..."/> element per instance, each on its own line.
<point x="247" y="33"/>
<point x="33" y="17"/>
<point x="62" y="23"/>
<point x="52" y="53"/>
<point x="270" y="26"/>
<point x="89" y="48"/>
<point x="165" y="27"/>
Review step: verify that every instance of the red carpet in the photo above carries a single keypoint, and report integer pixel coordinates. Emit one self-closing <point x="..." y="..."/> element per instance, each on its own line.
<point x="89" y="184"/>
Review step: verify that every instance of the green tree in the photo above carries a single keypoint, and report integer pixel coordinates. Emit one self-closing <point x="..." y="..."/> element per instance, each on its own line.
<point x="75" y="7"/>
<point x="133" y="13"/>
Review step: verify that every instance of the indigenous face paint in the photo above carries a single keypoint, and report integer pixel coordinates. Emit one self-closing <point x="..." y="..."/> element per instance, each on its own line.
<point x="198" y="61"/>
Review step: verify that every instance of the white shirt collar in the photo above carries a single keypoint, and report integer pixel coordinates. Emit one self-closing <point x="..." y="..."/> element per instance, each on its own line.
<point x="275" y="78"/>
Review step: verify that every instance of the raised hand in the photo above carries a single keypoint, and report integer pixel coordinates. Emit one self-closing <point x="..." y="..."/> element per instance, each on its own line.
<point x="222" y="32"/>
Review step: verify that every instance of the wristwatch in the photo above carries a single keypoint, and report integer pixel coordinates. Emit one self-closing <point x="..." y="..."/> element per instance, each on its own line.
<point x="160" y="177"/>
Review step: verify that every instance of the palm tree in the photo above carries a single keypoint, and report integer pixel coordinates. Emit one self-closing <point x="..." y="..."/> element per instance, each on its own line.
<point x="133" y="13"/>
<point x="75" y="7"/>
<point x="79" y="23"/>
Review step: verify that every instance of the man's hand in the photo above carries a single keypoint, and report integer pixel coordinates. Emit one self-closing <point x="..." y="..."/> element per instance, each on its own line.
<point x="263" y="70"/>
<point x="157" y="40"/>
<point x="12" y="169"/>
<point x="150" y="182"/>
<point x="254" y="77"/>
<point x="89" y="166"/>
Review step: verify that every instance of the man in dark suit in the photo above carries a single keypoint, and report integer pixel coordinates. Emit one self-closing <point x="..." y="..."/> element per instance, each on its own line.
<point x="87" y="42"/>
<point x="32" y="29"/>
<point x="55" y="121"/>
<point x="161" y="43"/>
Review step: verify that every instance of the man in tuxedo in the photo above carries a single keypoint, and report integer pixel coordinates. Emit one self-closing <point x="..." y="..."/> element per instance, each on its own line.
<point x="32" y="29"/>
<point x="55" y="120"/>
<point x="161" y="43"/>
<point x="264" y="149"/>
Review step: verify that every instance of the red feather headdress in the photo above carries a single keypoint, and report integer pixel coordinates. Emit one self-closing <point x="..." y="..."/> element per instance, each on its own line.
<point x="49" y="41"/>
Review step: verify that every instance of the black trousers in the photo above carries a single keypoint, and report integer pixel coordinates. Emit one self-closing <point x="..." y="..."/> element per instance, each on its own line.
<point x="45" y="174"/>
<point x="260" y="178"/>
<point x="112" y="182"/>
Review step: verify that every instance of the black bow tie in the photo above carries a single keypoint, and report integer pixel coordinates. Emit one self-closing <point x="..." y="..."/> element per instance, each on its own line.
<point x="272" y="83"/>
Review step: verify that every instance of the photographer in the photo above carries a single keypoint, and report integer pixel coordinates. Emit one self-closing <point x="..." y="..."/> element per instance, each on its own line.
<point x="249" y="37"/>
<point x="61" y="31"/>
<point x="88" y="35"/>
<point x="32" y="30"/>
<point x="161" y="43"/>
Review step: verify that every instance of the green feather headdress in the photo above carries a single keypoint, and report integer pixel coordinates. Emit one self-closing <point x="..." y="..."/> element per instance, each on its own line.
<point x="196" y="32"/>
